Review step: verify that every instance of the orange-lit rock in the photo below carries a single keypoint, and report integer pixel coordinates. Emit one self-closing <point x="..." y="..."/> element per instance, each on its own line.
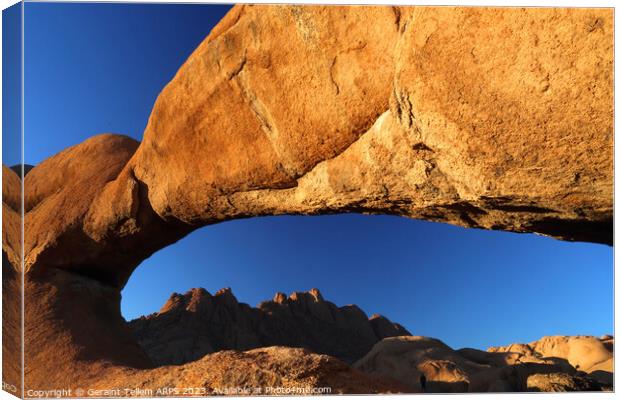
<point x="481" y="117"/>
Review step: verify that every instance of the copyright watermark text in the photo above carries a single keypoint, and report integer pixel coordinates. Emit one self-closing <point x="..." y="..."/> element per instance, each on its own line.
<point x="178" y="391"/>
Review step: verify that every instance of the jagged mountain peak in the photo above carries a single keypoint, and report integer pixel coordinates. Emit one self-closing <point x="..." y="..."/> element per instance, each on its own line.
<point x="200" y="323"/>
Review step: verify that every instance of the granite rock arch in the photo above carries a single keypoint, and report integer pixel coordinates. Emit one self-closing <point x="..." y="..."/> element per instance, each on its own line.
<point x="481" y="117"/>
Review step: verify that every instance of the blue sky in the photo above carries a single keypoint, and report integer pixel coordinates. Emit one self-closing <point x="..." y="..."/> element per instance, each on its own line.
<point x="94" y="68"/>
<point x="467" y="287"/>
<point x="11" y="85"/>
<point x="99" y="67"/>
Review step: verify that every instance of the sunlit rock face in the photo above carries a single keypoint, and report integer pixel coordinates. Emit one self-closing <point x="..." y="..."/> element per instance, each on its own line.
<point x="481" y="117"/>
<point x="372" y="118"/>
<point x="591" y="355"/>
<point x="553" y="363"/>
<point x="11" y="281"/>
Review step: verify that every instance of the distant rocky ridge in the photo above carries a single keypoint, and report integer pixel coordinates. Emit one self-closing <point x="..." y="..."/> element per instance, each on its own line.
<point x="194" y="324"/>
<point x="302" y="332"/>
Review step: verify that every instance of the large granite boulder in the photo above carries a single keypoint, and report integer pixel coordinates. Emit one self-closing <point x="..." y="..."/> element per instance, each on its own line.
<point x="515" y="368"/>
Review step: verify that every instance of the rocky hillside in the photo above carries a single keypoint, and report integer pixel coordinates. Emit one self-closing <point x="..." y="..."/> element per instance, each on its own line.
<point x="264" y="371"/>
<point x="196" y="323"/>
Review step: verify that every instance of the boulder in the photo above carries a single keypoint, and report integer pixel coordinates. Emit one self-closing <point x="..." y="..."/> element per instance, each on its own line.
<point x="265" y="371"/>
<point x="560" y="382"/>
<point x="584" y="353"/>
<point x="407" y="358"/>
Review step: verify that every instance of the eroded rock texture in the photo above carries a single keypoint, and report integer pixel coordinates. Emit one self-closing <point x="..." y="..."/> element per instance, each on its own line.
<point x="266" y="371"/>
<point x="11" y="282"/>
<point x="560" y="382"/>
<point x="591" y="355"/>
<point x="370" y="118"/>
<point x="481" y="117"/>
<point x="515" y="368"/>
<point x="192" y="325"/>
